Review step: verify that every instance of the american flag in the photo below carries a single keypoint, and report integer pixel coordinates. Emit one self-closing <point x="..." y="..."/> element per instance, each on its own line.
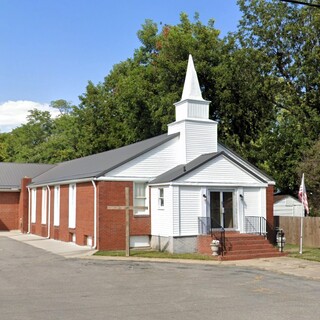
<point x="303" y="195"/>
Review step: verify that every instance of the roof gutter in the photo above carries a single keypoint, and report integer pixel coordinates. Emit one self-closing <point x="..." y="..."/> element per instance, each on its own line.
<point x="49" y="212"/>
<point x="54" y="183"/>
<point x="94" y="214"/>
<point x="29" y="210"/>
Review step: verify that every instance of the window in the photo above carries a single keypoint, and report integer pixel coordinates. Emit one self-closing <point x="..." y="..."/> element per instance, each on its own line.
<point x="161" y="198"/>
<point x="72" y="206"/>
<point x="33" y="205"/>
<point x="140" y="198"/>
<point x="56" y="206"/>
<point x="44" y="206"/>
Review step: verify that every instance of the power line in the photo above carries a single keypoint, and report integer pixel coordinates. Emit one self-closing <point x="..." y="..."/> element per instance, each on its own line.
<point x="303" y="3"/>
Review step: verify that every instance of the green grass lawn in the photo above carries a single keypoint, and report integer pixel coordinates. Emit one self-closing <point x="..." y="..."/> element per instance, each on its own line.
<point x="154" y="254"/>
<point x="312" y="254"/>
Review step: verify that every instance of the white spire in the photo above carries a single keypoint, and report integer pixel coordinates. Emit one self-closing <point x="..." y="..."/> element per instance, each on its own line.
<point x="191" y="89"/>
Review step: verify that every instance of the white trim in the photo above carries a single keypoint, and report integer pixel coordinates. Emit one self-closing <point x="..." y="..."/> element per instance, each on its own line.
<point x="131" y="178"/>
<point x="49" y="211"/>
<point x="33" y="205"/>
<point x="44" y="204"/>
<point x="161" y="204"/>
<point x="56" y="206"/>
<point x="66" y="182"/>
<point x="29" y="210"/>
<point x="72" y="206"/>
<point x="10" y="190"/>
<point x="205" y="184"/>
<point x="144" y="199"/>
<point x="95" y="218"/>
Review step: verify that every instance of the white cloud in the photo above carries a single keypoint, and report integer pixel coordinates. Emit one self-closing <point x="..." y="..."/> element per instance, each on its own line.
<point x="14" y="113"/>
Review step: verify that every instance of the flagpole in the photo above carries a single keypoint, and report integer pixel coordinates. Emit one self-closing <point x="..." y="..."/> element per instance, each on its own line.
<point x="305" y="208"/>
<point x="301" y="229"/>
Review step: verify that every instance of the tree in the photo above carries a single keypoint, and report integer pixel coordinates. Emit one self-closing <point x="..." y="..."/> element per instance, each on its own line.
<point x="311" y="167"/>
<point x="288" y="38"/>
<point x="23" y="141"/>
<point x="65" y="107"/>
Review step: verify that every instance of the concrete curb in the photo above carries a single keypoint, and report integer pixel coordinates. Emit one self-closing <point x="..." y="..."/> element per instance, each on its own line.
<point x="283" y="265"/>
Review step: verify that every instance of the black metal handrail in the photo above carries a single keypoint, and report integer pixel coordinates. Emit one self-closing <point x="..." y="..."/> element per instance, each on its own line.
<point x="208" y="225"/>
<point x="256" y="225"/>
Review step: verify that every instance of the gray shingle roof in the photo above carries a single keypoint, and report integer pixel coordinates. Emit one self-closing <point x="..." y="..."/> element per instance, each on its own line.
<point x="182" y="170"/>
<point x="11" y="174"/>
<point x="97" y="165"/>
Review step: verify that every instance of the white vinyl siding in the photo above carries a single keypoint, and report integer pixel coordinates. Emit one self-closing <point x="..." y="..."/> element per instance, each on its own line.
<point x="221" y="171"/>
<point x="72" y="206"/>
<point x="56" y="206"/>
<point x="176" y="210"/>
<point x="190" y="210"/>
<point x="244" y="163"/>
<point x="162" y="219"/>
<point x="33" y="205"/>
<point x="252" y="201"/>
<point x="288" y="207"/>
<point x="192" y="132"/>
<point x="206" y="132"/>
<point x="44" y="206"/>
<point x="150" y="164"/>
<point x="141" y="198"/>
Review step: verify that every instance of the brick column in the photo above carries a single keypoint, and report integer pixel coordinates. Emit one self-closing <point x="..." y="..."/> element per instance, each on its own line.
<point x="23" y="205"/>
<point x="270" y="218"/>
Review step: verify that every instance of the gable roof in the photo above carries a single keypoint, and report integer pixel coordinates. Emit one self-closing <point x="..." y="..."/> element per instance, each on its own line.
<point x="96" y="165"/>
<point x="181" y="170"/>
<point x="11" y="174"/>
<point x="279" y="197"/>
<point x="235" y="154"/>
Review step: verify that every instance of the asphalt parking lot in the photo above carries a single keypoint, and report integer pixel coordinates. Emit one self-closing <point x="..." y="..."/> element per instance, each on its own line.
<point x="36" y="284"/>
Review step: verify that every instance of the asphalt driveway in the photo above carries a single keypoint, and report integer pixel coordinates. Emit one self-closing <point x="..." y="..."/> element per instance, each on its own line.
<point x="36" y="284"/>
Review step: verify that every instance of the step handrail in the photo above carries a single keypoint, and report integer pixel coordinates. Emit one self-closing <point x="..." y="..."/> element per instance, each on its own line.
<point x="256" y="225"/>
<point x="209" y="225"/>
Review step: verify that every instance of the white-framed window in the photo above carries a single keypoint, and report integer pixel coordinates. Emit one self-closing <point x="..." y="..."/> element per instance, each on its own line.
<point x="161" y="198"/>
<point x="33" y="205"/>
<point x="72" y="206"/>
<point x="44" y="206"/>
<point x="56" y="206"/>
<point x="141" y="198"/>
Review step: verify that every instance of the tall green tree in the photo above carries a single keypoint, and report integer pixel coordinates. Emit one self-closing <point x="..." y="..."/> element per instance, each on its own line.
<point x="288" y="37"/>
<point x="23" y="142"/>
<point x="310" y="166"/>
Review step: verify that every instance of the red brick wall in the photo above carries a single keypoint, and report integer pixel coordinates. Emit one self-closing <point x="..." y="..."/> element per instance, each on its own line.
<point x="112" y="222"/>
<point x="270" y="220"/>
<point x="63" y="231"/>
<point x="9" y="208"/>
<point x="84" y="214"/>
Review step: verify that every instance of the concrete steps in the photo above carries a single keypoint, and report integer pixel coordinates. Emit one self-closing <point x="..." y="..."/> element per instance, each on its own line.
<point x="240" y="246"/>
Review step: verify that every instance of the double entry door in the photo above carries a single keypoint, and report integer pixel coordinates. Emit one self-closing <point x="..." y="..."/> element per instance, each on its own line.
<point x="221" y="209"/>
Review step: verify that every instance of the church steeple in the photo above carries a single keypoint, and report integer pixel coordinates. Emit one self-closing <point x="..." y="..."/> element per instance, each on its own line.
<point x="191" y="105"/>
<point x="198" y="134"/>
<point x="191" y="88"/>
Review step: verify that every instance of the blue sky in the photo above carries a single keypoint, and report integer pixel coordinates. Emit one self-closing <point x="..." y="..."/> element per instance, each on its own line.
<point x="50" y="49"/>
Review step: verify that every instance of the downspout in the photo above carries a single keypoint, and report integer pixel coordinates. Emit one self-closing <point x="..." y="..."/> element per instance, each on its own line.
<point x="49" y="211"/>
<point x="29" y="210"/>
<point x="94" y="214"/>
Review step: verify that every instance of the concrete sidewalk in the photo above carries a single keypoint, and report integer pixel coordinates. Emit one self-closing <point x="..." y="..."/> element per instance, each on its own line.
<point x="65" y="249"/>
<point x="283" y="265"/>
